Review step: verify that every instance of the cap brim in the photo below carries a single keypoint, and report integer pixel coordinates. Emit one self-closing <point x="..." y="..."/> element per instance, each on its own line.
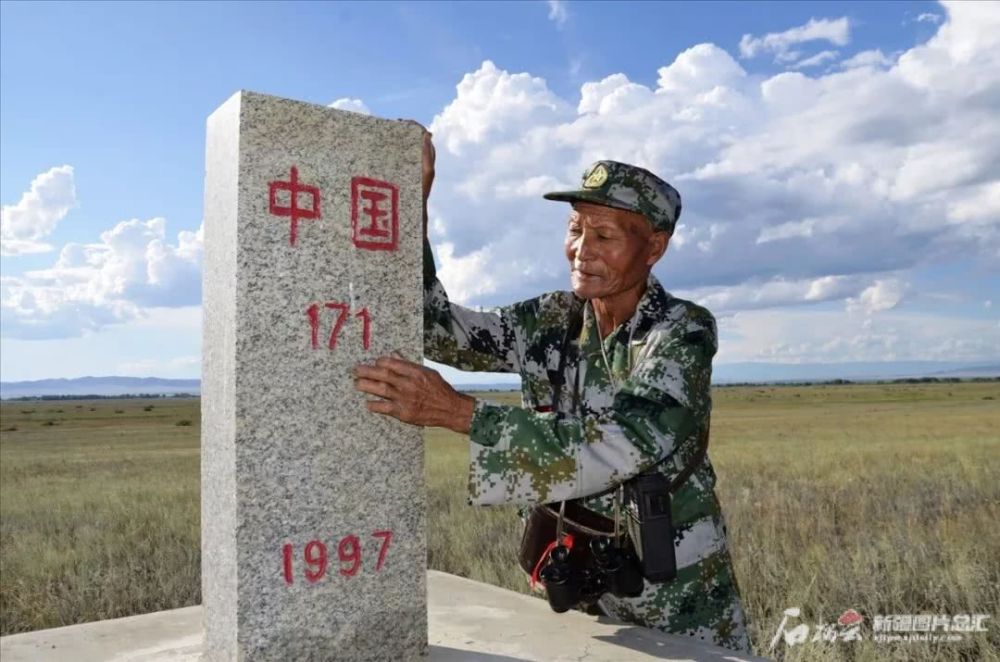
<point x="583" y="195"/>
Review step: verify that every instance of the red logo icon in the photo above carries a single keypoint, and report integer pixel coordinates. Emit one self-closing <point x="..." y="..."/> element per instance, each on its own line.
<point x="374" y="214"/>
<point x="292" y="210"/>
<point x="850" y="617"/>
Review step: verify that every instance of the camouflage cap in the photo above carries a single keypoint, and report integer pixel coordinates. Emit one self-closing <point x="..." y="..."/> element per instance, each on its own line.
<point x="630" y="187"/>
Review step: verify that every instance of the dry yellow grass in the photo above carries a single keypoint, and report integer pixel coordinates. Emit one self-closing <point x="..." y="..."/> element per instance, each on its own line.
<point x="99" y="512"/>
<point x="881" y="498"/>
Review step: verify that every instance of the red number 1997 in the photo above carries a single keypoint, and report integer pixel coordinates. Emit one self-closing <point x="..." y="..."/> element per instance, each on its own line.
<point x="316" y="557"/>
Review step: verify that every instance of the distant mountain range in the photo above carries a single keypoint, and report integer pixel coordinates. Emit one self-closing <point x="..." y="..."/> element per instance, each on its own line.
<point x="724" y="373"/>
<point x="99" y="386"/>
<point x="811" y="372"/>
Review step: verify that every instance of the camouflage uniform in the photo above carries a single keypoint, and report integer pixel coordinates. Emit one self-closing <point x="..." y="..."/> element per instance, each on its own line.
<point x="596" y="436"/>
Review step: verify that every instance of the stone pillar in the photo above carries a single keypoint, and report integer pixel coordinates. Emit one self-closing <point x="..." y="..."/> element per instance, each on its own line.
<point x="313" y="543"/>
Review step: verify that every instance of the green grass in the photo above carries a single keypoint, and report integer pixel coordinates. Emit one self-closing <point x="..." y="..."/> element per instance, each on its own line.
<point x="100" y="511"/>
<point x="881" y="498"/>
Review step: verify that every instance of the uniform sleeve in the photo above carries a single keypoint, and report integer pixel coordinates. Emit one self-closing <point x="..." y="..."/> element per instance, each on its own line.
<point x="523" y="456"/>
<point x="464" y="338"/>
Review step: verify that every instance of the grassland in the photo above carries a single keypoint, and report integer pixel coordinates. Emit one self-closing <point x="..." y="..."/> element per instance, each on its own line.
<point x="881" y="498"/>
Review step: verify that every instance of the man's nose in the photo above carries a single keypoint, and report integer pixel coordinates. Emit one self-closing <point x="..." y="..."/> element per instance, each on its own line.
<point x="585" y="246"/>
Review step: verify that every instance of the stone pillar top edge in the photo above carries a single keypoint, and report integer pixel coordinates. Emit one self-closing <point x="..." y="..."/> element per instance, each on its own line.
<point x="224" y="108"/>
<point x="250" y="95"/>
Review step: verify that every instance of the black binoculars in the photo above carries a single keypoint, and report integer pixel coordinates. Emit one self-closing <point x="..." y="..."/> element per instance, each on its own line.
<point x="614" y="570"/>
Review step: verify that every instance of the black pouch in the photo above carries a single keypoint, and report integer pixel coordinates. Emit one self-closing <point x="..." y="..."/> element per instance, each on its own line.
<point x="650" y="525"/>
<point x="649" y="519"/>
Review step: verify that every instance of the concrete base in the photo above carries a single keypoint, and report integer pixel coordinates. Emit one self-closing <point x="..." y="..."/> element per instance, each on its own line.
<point x="467" y="621"/>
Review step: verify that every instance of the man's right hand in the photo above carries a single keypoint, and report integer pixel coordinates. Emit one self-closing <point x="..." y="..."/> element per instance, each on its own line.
<point x="427" y="166"/>
<point x="430" y="155"/>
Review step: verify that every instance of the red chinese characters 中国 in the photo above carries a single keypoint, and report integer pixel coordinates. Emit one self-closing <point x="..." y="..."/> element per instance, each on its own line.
<point x="374" y="214"/>
<point x="293" y="211"/>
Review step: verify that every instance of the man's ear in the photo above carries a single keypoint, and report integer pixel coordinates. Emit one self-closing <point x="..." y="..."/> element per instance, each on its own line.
<point x="658" y="242"/>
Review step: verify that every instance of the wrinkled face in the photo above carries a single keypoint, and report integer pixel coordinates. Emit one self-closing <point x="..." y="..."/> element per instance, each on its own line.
<point x="609" y="250"/>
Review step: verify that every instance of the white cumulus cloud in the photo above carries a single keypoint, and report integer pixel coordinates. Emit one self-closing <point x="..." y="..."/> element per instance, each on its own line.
<point x="820" y="58"/>
<point x="353" y="105"/>
<point x="492" y="104"/>
<point x="881" y="295"/>
<point x="610" y="95"/>
<point x="25" y="224"/>
<point x="90" y="286"/>
<point x="776" y="292"/>
<point x="870" y="58"/>
<point x="835" y="31"/>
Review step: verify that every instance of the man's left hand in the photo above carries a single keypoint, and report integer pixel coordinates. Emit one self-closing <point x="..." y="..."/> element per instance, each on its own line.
<point x="414" y="394"/>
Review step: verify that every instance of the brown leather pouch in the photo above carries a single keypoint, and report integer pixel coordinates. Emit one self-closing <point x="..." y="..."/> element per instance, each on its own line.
<point x="540" y="531"/>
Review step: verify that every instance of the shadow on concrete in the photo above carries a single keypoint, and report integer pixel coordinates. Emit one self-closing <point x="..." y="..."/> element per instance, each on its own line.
<point x="638" y="639"/>
<point x="447" y="654"/>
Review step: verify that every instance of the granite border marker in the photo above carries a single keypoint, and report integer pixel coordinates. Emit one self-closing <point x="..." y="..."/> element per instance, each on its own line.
<point x="313" y="525"/>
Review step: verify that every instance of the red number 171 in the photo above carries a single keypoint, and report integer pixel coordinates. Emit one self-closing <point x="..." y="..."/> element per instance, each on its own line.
<point x="343" y="310"/>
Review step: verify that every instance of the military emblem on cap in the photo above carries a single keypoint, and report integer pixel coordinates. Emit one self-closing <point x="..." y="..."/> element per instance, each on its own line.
<point x="598" y="175"/>
<point x="625" y="186"/>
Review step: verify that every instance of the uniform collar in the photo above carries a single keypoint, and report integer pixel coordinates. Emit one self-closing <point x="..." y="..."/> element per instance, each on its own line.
<point x="648" y="312"/>
<point x="651" y="306"/>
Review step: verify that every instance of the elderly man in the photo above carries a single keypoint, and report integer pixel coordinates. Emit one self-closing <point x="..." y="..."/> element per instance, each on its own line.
<point x="615" y="382"/>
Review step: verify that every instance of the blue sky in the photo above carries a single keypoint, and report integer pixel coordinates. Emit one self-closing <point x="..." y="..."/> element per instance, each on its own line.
<point x="859" y="250"/>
